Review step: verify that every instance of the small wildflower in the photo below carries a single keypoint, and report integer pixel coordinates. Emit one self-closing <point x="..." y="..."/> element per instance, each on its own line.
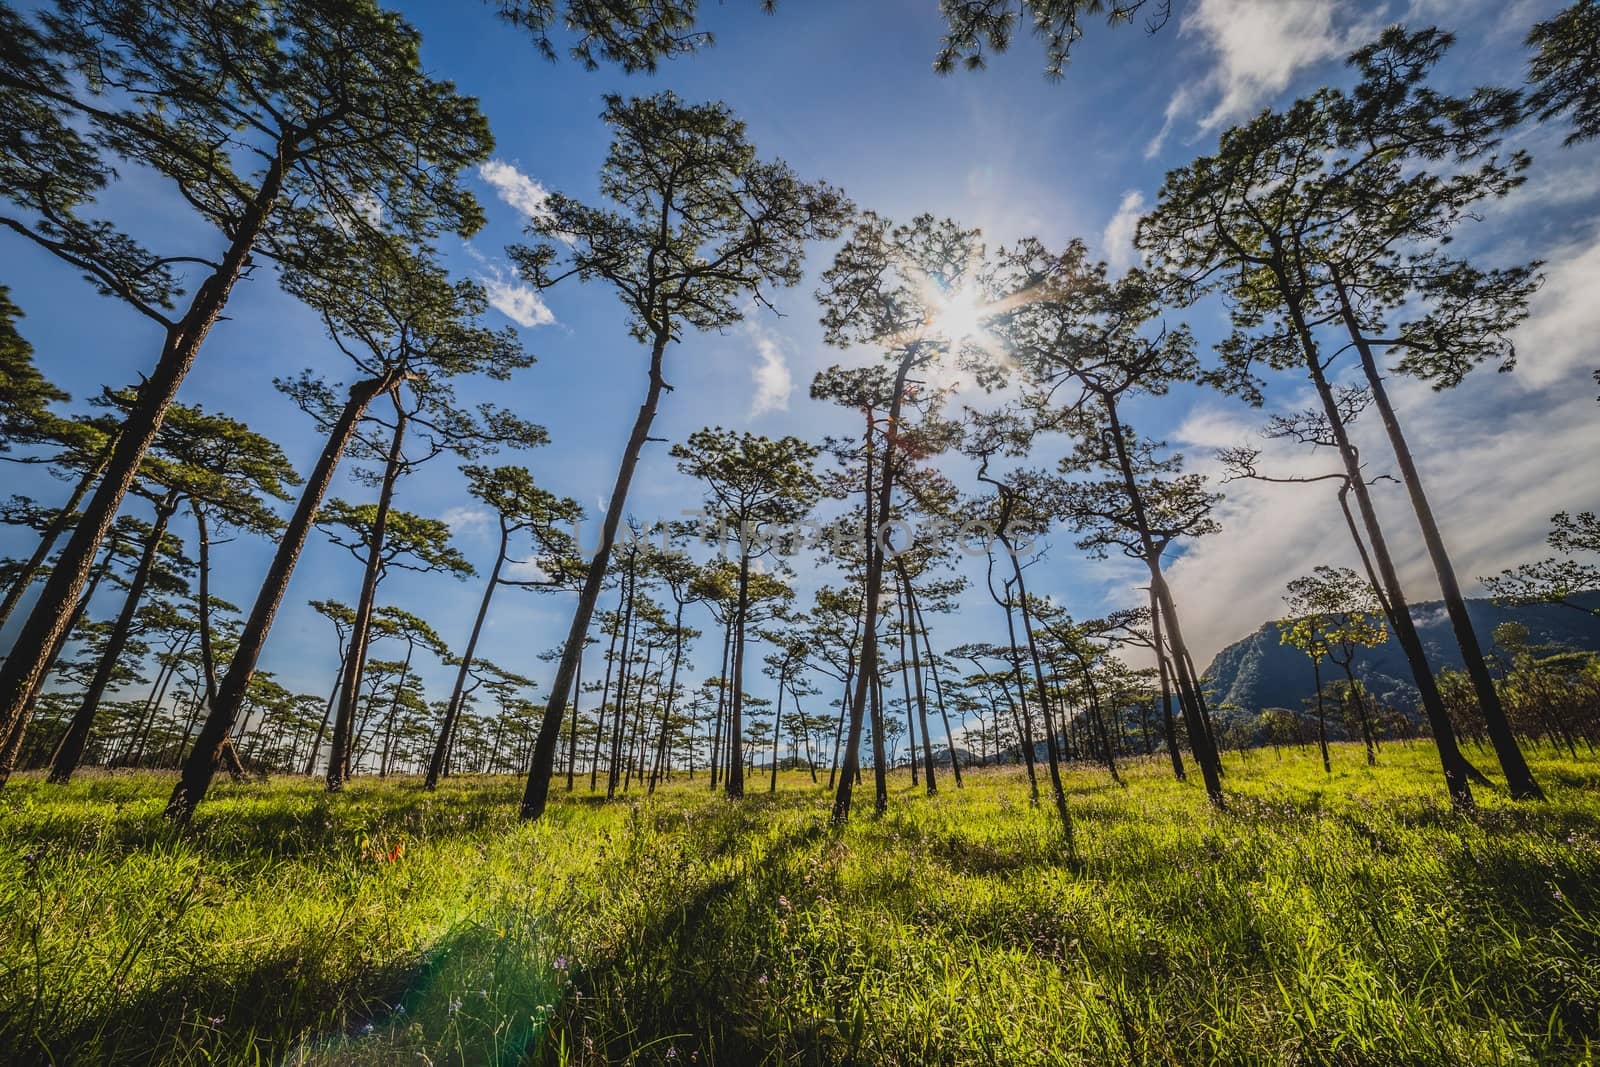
<point x="783" y="902"/>
<point x="560" y="963"/>
<point x="672" y="1052"/>
<point x="217" y="1020"/>
<point x="455" y="1005"/>
<point x="367" y="1029"/>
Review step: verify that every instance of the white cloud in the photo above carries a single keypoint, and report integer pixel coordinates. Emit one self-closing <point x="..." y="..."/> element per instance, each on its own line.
<point x="525" y="570"/>
<point x="1258" y="47"/>
<point x="517" y="301"/>
<point x="467" y="518"/>
<point x="516" y="188"/>
<point x="1117" y="240"/>
<point x="1177" y="107"/>
<point x="773" y="381"/>
<point x="1550" y="345"/>
<point x="513" y="298"/>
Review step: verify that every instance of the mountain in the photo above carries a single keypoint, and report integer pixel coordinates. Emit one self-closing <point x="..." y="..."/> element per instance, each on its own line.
<point x="1260" y="672"/>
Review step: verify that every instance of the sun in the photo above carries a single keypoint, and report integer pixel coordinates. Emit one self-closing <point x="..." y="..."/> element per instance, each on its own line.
<point x="958" y="316"/>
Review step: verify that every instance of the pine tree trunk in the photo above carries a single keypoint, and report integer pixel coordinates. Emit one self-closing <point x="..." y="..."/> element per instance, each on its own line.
<point x="69" y="752"/>
<point x="1058" y="792"/>
<point x="1201" y="742"/>
<point x="1169" y="728"/>
<point x="672" y="692"/>
<point x="871" y="586"/>
<point x="201" y="763"/>
<point x="1025" y="716"/>
<point x="777" y="728"/>
<point x="605" y="701"/>
<point x="620" y="713"/>
<point x="544" y="749"/>
<point x="355" y="661"/>
<point x="735" y="783"/>
<point x="938" y="689"/>
<point x="453" y="708"/>
<point x="1444" y="736"/>
<point x="26" y="665"/>
<point x="1519" y="777"/>
<point x="715" y="764"/>
<point x="47" y="541"/>
<point x="394" y="708"/>
<point x="908" y="620"/>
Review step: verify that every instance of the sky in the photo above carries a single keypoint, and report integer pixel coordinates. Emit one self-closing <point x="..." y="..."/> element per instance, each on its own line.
<point x="844" y="91"/>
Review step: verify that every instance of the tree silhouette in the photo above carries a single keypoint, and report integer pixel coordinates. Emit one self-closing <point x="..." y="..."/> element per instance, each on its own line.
<point x="268" y="129"/>
<point x="381" y="540"/>
<point x="753" y="484"/>
<point x="520" y="507"/>
<point x="1565" y="69"/>
<point x="704" y="228"/>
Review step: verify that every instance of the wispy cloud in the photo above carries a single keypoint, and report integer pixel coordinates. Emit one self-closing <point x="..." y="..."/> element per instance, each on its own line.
<point x="466" y="519"/>
<point x="516" y="300"/>
<point x="1258" y="47"/>
<point x="509" y="295"/>
<point x="516" y="188"/>
<point x="774" y="383"/>
<point x="1117" y="240"/>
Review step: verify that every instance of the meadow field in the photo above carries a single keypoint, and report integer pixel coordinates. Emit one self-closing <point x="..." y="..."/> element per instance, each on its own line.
<point x="1347" y="920"/>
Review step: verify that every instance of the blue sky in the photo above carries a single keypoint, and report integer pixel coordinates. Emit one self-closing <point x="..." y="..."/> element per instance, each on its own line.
<point x="843" y="90"/>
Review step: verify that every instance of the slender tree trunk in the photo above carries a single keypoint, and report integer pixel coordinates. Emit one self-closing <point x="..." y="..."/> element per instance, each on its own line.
<point x="69" y="752"/>
<point x="544" y="751"/>
<point x="201" y="763"/>
<point x="1052" y="753"/>
<point x="1353" y="695"/>
<point x="905" y="689"/>
<point x="908" y="619"/>
<point x="633" y="764"/>
<point x="1322" y="717"/>
<point x="1169" y="728"/>
<point x="136" y="752"/>
<point x="871" y="586"/>
<point x="735" y="784"/>
<point x="52" y="533"/>
<point x="327" y="717"/>
<point x="1201" y="742"/>
<point x="672" y="692"/>
<point x="1519" y="777"/>
<point x="844" y="700"/>
<point x="605" y="700"/>
<point x="715" y="766"/>
<point x="572" y="732"/>
<point x="1444" y="736"/>
<point x="355" y="663"/>
<point x="394" y="708"/>
<point x="453" y="708"/>
<point x="777" y="729"/>
<point x="1097" y="710"/>
<point x="620" y="714"/>
<point x="1025" y="723"/>
<point x="938" y="689"/>
<point x="28" y="661"/>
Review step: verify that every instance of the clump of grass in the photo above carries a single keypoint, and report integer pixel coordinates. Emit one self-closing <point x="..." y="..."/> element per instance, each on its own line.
<point x="1352" y="919"/>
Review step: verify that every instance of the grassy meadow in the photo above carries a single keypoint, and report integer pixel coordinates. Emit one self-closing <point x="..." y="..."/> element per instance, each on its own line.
<point x="1351" y="920"/>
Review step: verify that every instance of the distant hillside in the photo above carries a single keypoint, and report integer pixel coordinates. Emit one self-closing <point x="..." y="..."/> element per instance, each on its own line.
<point x="1260" y="672"/>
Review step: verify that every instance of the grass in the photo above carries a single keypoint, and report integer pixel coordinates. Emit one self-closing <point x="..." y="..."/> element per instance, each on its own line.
<point x="1351" y="920"/>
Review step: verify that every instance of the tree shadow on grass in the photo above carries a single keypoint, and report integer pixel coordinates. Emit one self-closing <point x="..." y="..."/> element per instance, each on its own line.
<point x="673" y="991"/>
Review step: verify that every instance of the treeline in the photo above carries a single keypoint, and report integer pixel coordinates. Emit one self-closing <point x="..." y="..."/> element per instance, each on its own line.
<point x="310" y="141"/>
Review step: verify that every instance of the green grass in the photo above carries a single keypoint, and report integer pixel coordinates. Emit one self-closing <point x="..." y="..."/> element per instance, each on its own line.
<point x="1350" y="920"/>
